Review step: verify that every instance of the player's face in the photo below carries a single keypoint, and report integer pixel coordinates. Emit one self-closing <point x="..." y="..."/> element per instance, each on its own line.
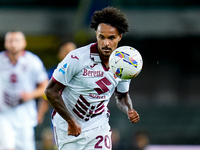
<point x="15" y="42"/>
<point x="107" y="39"/>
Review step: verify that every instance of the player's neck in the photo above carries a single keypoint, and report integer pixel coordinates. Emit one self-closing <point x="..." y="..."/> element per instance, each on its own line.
<point x="105" y="62"/>
<point x="104" y="59"/>
<point x="15" y="56"/>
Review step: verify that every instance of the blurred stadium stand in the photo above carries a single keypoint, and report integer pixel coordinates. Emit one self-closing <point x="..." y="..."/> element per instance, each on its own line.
<point x="166" y="32"/>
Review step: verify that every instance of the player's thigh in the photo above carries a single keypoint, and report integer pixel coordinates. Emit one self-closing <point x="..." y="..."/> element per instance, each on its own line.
<point x="68" y="142"/>
<point x="100" y="138"/>
<point x="25" y="138"/>
<point x="7" y="134"/>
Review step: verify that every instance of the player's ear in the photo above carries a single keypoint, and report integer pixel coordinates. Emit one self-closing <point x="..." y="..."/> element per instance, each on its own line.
<point x="120" y="37"/>
<point x="25" y="44"/>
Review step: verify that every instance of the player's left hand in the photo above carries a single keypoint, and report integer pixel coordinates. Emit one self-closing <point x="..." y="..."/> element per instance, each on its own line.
<point x="133" y="116"/>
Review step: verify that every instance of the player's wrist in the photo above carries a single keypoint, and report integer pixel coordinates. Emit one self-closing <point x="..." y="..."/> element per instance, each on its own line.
<point x="131" y="110"/>
<point x="71" y="121"/>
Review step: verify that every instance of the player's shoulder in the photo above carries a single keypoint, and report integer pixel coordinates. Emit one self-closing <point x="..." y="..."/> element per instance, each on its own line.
<point x="3" y="56"/>
<point x="31" y="56"/>
<point x="2" y="53"/>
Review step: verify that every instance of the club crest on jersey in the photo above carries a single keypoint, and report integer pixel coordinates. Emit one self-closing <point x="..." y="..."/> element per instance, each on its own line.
<point x="62" y="69"/>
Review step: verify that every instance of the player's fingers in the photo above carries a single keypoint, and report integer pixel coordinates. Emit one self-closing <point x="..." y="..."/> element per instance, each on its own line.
<point x="135" y="120"/>
<point x="78" y="133"/>
<point x="74" y="134"/>
<point x="134" y="115"/>
<point x="69" y="133"/>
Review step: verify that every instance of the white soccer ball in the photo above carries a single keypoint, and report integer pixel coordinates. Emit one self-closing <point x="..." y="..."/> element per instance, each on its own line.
<point x="125" y="62"/>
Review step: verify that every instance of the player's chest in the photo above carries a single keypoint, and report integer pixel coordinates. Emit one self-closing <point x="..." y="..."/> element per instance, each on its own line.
<point x="14" y="73"/>
<point x="96" y="75"/>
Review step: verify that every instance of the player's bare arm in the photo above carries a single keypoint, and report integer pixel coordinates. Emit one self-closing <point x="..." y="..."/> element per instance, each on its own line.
<point x="54" y="97"/>
<point x="43" y="107"/>
<point x="124" y="103"/>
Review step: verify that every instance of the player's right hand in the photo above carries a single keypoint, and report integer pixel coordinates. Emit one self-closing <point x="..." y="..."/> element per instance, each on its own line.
<point x="73" y="128"/>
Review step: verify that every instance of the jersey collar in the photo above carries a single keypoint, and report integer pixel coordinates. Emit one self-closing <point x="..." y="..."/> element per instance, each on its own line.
<point x="94" y="53"/>
<point x="6" y="53"/>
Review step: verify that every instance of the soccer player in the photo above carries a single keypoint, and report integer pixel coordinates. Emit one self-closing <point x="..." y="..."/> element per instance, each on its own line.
<point x="23" y="78"/>
<point x="81" y="86"/>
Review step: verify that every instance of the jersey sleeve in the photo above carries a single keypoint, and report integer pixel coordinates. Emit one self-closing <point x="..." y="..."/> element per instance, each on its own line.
<point x="123" y="86"/>
<point x="67" y="68"/>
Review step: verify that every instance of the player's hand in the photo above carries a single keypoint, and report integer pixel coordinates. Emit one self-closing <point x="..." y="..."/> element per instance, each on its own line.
<point x="74" y="128"/>
<point x="133" y="116"/>
<point x="26" y="96"/>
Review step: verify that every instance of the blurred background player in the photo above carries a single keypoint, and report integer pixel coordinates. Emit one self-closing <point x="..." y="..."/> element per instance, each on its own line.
<point x="81" y="87"/>
<point x="65" y="48"/>
<point x="24" y="79"/>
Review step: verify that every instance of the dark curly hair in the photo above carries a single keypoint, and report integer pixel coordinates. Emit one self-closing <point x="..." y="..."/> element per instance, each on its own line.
<point x="111" y="16"/>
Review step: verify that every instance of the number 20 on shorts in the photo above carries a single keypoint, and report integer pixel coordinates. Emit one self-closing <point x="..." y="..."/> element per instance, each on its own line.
<point x="103" y="141"/>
